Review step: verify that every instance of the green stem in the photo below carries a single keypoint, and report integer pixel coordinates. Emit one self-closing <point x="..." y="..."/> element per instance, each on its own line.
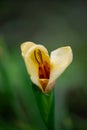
<point x="46" y="106"/>
<point x="51" y="121"/>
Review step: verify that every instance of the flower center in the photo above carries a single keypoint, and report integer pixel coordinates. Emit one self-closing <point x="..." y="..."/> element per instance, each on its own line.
<point x="43" y="67"/>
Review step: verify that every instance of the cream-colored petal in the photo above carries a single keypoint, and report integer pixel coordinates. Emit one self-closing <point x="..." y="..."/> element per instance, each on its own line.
<point x="32" y="64"/>
<point x="60" y="59"/>
<point x="25" y="47"/>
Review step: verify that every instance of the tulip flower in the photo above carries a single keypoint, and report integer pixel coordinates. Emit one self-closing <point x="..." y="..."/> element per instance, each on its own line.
<point x="42" y="68"/>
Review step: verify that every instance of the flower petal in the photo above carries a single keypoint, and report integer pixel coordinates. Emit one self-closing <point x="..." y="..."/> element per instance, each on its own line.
<point x="32" y="59"/>
<point x="60" y="59"/>
<point x="25" y="47"/>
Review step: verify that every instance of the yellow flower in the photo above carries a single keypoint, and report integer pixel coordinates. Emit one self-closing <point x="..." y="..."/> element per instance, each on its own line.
<point x="44" y="70"/>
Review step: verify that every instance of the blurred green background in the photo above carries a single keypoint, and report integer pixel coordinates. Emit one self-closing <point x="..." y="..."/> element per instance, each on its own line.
<point x="53" y="24"/>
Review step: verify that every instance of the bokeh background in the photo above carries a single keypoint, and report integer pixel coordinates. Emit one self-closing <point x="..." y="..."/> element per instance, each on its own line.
<point x="53" y="24"/>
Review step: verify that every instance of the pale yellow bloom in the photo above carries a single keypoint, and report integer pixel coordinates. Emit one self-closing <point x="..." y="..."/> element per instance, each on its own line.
<point x="44" y="70"/>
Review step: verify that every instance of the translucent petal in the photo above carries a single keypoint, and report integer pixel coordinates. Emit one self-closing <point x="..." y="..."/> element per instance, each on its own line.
<point x="60" y="59"/>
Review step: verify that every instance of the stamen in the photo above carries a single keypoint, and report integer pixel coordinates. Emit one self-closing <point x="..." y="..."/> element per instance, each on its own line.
<point x="43" y="68"/>
<point x="35" y="56"/>
<point x="38" y="56"/>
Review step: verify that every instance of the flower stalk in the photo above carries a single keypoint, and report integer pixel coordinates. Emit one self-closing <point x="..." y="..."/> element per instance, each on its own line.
<point x="46" y="106"/>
